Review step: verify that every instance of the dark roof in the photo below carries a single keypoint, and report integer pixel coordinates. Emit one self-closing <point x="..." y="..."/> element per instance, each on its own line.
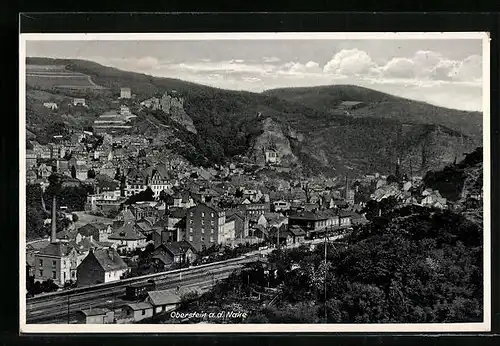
<point x="209" y="206"/>
<point x="162" y="257"/>
<point x="168" y="297"/>
<point x="296" y="231"/>
<point x="144" y="225"/>
<point x="127" y="232"/>
<point x="139" y="306"/>
<point x="161" y="223"/>
<point x="95" y="311"/>
<point x="177" y="213"/>
<point x="185" y="245"/>
<point x="109" y="259"/>
<point x="87" y="229"/>
<point x="56" y="249"/>
<point x="133" y="172"/>
<point x="66" y="234"/>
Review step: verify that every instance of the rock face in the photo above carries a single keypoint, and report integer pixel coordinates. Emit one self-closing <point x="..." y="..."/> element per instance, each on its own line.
<point x="273" y="138"/>
<point x="339" y="150"/>
<point x="174" y="107"/>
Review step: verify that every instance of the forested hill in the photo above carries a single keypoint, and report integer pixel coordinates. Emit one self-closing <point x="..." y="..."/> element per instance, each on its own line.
<point x="378" y="104"/>
<point x="230" y="123"/>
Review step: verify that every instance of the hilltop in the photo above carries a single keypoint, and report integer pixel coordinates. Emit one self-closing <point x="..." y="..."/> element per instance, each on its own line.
<point x="381" y="105"/>
<point x="311" y="139"/>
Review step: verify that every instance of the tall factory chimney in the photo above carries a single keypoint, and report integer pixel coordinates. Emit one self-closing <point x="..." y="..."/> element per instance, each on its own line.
<point x="53" y="238"/>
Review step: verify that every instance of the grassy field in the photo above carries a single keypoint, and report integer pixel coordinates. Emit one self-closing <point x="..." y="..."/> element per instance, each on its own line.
<point x="56" y="76"/>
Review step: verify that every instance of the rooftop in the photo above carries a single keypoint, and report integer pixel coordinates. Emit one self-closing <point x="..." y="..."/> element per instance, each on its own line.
<point x="109" y="259"/>
<point x="127" y="232"/>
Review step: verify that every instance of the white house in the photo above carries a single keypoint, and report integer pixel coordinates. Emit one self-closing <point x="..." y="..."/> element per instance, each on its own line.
<point x="128" y="237"/>
<point x="50" y="105"/>
<point x="101" y="266"/>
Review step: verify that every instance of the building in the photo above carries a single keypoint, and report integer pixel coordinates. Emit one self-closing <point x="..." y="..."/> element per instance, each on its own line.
<point x="105" y="201"/>
<point x="135" y="181"/>
<point x="79" y="102"/>
<point x="317" y="222"/>
<point x="205" y="226"/>
<point x="134" y="312"/>
<point x="95" y="316"/>
<point x="152" y="103"/>
<point x="166" y="300"/>
<point x="125" y="93"/>
<point x="142" y="210"/>
<point x="44" y="171"/>
<point x="241" y="225"/>
<point x="50" y="105"/>
<point x="30" y="159"/>
<point x="350" y="105"/>
<point x="57" y="261"/>
<point x="97" y="230"/>
<point x="128" y="237"/>
<point x="271" y="156"/>
<point x="124" y="110"/>
<point x="160" y="181"/>
<point x="174" y="253"/>
<point x="254" y="210"/>
<point x="100" y="266"/>
<point x="281" y="205"/>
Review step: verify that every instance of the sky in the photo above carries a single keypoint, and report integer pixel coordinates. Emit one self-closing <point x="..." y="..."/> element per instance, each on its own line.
<point x="444" y="72"/>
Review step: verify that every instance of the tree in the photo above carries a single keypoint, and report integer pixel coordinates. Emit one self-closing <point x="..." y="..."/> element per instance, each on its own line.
<point x="91" y="173"/>
<point x="307" y="190"/>
<point x="73" y="172"/>
<point x="74" y="217"/>
<point x="392" y="179"/>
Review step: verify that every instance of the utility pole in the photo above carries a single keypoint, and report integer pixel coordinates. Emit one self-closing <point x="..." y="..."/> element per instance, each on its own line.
<point x="325" y="275"/>
<point x="68" y="308"/>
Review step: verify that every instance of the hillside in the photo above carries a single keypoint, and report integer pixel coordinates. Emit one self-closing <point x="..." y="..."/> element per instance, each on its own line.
<point x="228" y="123"/>
<point x="414" y="265"/>
<point x="380" y="105"/>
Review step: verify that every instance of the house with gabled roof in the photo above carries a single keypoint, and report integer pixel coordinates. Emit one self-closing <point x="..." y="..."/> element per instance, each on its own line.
<point x="136" y="182"/>
<point x="167" y="300"/>
<point x="98" y="230"/>
<point x="100" y="266"/>
<point x="128" y="237"/>
<point x="160" y="180"/>
<point x="56" y="261"/>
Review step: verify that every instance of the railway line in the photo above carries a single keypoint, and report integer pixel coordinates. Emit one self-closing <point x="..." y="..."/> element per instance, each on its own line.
<point x="60" y="307"/>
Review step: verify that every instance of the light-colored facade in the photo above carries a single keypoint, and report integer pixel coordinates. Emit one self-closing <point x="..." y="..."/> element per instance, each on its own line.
<point x="125" y="93"/>
<point x="60" y="267"/>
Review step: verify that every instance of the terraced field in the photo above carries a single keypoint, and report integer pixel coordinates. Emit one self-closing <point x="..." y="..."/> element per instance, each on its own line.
<point x="54" y="76"/>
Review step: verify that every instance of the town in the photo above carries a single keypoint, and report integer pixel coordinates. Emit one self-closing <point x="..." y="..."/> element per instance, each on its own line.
<point x="120" y="208"/>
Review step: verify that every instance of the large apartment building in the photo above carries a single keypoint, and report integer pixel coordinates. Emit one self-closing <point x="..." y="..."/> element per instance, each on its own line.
<point x="206" y="226"/>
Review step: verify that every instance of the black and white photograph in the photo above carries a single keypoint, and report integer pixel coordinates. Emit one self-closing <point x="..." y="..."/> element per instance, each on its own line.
<point x="270" y="182"/>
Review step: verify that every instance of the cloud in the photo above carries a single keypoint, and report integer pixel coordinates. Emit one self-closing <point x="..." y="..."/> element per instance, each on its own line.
<point x="399" y="68"/>
<point x="429" y="66"/>
<point x="299" y="68"/>
<point x="350" y="62"/>
<point x="230" y="66"/>
<point x="468" y="69"/>
<point x="251" y="79"/>
<point x="271" y="59"/>
<point x="148" y="62"/>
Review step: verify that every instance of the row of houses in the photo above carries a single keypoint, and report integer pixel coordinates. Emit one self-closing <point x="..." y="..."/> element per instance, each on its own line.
<point x="156" y="303"/>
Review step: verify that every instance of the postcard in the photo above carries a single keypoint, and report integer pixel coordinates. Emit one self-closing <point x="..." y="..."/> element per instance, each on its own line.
<point x="254" y="182"/>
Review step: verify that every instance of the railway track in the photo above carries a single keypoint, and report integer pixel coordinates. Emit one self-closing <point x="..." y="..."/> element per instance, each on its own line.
<point x="56" y="307"/>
